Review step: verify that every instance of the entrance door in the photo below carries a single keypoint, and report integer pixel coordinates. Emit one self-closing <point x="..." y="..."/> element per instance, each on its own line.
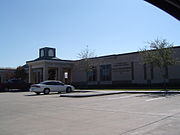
<point x="37" y="75"/>
<point x="52" y="74"/>
<point x="67" y="75"/>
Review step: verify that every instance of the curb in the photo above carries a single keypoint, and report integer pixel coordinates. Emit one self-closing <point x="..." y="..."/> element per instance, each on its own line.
<point x="89" y="95"/>
<point x="118" y="92"/>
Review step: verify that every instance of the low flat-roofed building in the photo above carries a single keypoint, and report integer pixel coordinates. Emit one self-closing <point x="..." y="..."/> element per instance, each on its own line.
<point x="113" y="70"/>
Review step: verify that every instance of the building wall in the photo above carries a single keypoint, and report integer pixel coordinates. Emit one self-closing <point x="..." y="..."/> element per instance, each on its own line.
<point x="112" y="70"/>
<point x="127" y="69"/>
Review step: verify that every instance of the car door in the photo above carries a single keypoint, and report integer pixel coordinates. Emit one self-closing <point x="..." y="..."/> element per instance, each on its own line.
<point x="12" y="84"/>
<point x="52" y="86"/>
<point x="60" y="87"/>
<point x="20" y="84"/>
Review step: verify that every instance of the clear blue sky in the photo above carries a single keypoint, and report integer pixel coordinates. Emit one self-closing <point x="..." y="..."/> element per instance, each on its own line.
<point x="106" y="26"/>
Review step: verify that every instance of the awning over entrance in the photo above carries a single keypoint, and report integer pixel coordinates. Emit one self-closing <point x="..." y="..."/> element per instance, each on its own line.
<point x="49" y="70"/>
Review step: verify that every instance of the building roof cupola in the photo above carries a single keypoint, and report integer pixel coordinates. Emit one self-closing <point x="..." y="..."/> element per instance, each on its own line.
<point x="47" y="52"/>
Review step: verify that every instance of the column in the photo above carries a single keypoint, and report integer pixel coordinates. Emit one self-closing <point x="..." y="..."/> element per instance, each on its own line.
<point x="98" y="73"/>
<point x="30" y="74"/>
<point x="60" y="74"/>
<point x="45" y="72"/>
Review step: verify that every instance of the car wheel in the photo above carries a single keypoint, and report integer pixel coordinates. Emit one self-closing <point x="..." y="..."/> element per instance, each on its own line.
<point x="68" y="90"/>
<point x="38" y="93"/>
<point x="6" y="89"/>
<point x="46" y="91"/>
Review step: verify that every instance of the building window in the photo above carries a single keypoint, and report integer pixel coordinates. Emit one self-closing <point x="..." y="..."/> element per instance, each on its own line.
<point x="42" y="53"/>
<point x="152" y="71"/>
<point x="132" y="70"/>
<point x="66" y="75"/>
<point x="92" y="74"/>
<point x="145" y="72"/>
<point x="51" y="53"/>
<point x="52" y="73"/>
<point x="105" y="72"/>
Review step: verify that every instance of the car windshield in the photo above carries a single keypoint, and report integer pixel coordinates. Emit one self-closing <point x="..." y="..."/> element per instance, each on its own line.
<point x="43" y="82"/>
<point x="52" y="82"/>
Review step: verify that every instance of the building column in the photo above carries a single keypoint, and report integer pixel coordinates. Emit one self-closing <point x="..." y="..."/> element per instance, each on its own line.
<point x="60" y="74"/>
<point x="30" y="74"/>
<point x="98" y="73"/>
<point x="45" y="72"/>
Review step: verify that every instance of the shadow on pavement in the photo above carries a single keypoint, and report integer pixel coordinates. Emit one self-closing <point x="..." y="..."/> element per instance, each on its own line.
<point x="42" y="94"/>
<point x="13" y="90"/>
<point x="76" y="91"/>
<point x="81" y="91"/>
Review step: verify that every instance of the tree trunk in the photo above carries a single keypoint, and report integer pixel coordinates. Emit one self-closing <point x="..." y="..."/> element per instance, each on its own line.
<point x="87" y="80"/>
<point x="165" y="78"/>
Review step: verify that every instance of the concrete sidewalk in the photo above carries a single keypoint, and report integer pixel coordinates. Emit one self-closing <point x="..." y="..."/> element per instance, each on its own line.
<point x="91" y="93"/>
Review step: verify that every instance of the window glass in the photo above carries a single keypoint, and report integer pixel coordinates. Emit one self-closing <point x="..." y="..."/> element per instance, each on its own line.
<point x="50" y="83"/>
<point x="92" y="74"/>
<point x="105" y="72"/>
<point x="51" y="52"/>
<point x="42" y="53"/>
<point x="14" y="81"/>
<point x="59" y="83"/>
<point x="66" y="75"/>
<point x="145" y="72"/>
<point x="18" y="81"/>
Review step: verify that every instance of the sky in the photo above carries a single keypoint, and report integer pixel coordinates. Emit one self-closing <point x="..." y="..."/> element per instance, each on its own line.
<point x="106" y="26"/>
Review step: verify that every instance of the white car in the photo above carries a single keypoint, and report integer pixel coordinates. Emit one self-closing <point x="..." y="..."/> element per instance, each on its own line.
<point x="51" y="86"/>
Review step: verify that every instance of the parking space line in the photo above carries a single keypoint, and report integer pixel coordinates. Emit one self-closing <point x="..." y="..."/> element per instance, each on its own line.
<point x="122" y="97"/>
<point x="154" y="99"/>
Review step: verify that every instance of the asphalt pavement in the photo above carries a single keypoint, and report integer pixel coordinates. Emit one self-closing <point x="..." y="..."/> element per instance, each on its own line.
<point x="25" y="113"/>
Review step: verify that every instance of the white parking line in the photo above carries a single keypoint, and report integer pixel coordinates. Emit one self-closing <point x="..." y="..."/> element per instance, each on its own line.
<point x="154" y="99"/>
<point x="122" y="97"/>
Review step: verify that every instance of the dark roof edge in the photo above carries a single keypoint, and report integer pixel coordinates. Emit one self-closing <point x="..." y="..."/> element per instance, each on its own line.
<point x="49" y="59"/>
<point x="47" y="48"/>
<point x="113" y="55"/>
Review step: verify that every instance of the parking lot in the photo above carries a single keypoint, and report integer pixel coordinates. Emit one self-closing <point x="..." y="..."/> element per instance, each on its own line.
<point x="24" y="113"/>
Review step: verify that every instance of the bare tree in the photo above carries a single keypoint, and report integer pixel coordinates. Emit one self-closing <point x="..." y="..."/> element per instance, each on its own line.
<point x="160" y="54"/>
<point x="20" y="73"/>
<point x="85" y="60"/>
